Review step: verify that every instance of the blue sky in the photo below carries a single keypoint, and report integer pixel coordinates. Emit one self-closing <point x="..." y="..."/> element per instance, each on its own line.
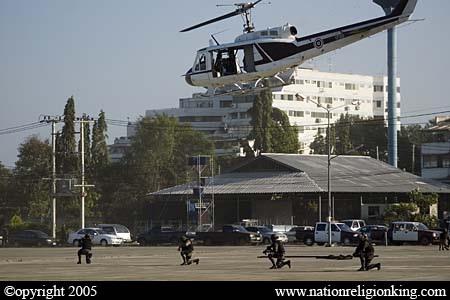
<point x="128" y="56"/>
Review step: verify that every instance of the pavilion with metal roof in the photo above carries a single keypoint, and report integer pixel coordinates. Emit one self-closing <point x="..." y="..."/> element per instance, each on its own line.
<point x="292" y="189"/>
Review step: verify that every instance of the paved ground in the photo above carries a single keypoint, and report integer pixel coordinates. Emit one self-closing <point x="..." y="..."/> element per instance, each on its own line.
<point x="219" y="263"/>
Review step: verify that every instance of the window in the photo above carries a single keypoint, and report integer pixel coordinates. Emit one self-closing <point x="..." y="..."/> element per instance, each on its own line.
<point x="351" y="86"/>
<point x="321" y="227"/>
<point x="398" y="89"/>
<point x="374" y="211"/>
<point x="306" y="81"/>
<point x="398" y="104"/>
<point x="330" y="85"/>
<point x="264" y="33"/>
<point x="378" y="103"/>
<point x="430" y="161"/>
<point x="313" y="82"/>
<point x="243" y="115"/>
<point x="234" y="115"/>
<point x="301" y="129"/>
<point x="301" y="81"/>
<point x="318" y="115"/>
<point x="274" y="32"/>
<point x="201" y="63"/>
<point x="378" y="88"/>
<point x="290" y="97"/>
<point x="227" y="103"/>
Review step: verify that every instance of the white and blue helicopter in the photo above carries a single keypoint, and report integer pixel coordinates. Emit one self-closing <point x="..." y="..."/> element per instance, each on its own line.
<point x="262" y="54"/>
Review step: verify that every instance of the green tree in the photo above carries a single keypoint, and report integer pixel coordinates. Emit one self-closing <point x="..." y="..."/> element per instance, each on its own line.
<point x="400" y="211"/>
<point x="31" y="184"/>
<point x="261" y="121"/>
<point x="284" y="136"/>
<point x="5" y="180"/>
<point x="100" y="152"/>
<point x="319" y="145"/>
<point x="67" y="158"/>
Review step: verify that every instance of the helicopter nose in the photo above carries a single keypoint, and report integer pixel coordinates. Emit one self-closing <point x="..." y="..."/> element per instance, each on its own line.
<point x="188" y="78"/>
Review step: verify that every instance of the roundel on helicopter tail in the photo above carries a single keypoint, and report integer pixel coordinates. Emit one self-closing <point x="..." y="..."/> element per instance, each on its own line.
<point x="318" y="43"/>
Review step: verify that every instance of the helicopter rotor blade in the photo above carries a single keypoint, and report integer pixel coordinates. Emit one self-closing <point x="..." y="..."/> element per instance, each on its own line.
<point x="229" y="15"/>
<point x="244" y="7"/>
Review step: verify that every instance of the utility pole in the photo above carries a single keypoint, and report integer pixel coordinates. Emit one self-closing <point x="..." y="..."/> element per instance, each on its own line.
<point x="83" y="120"/>
<point x="413" y="158"/>
<point x="53" y="120"/>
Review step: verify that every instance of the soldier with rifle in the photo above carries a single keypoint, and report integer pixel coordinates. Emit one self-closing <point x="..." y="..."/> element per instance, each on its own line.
<point x="276" y="250"/>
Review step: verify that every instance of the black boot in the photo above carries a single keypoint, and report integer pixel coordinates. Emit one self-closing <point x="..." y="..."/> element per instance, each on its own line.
<point x="288" y="263"/>
<point x="362" y="269"/>
<point x="196" y="261"/>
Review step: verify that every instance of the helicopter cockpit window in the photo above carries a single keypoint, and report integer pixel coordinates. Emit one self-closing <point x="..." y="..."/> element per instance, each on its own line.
<point x="200" y="64"/>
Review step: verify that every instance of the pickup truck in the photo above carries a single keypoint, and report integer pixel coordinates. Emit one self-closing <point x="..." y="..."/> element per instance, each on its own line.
<point x="160" y="235"/>
<point x="340" y="233"/>
<point x="412" y="232"/>
<point x="230" y="235"/>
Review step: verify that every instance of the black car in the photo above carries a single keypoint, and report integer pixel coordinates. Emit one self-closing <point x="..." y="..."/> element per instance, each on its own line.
<point x="31" y="238"/>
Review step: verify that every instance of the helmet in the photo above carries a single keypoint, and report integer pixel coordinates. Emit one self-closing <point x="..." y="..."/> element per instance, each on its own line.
<point x="183" y="238"/>
<point x="274" y="237"/>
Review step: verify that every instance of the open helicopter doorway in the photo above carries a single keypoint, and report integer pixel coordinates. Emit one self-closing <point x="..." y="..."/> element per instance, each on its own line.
<point x="233" y="61"/>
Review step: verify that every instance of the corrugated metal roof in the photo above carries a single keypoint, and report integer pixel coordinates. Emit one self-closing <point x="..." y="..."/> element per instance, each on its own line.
<point x="349" y="174"/>
<point x="252" y="183"/>
<point x="358" y="174"/>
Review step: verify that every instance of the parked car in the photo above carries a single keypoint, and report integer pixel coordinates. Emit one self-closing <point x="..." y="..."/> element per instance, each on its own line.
<point x="266" y="233"/>
<point x="230" y="235"/>
<point x="98" y="236"/>
<point x="118" y="230"/>
<point x="161" y="235"/>
<point x="375" y="233"/>
<point x="354" y="224"/>
<point x="412" y="232"/>
<point x="296" y="234"/>
<point x="31" y="238"/>
<point x="340" y="233"/>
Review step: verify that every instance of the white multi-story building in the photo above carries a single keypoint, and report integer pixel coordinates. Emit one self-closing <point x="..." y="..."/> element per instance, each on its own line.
<point x="225" y="117"/>
<point x="436" y="156"/>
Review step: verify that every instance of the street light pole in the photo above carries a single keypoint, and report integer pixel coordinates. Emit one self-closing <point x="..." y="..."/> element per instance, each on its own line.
<point x="329" y="158"/>
<point x="329" y="177"/>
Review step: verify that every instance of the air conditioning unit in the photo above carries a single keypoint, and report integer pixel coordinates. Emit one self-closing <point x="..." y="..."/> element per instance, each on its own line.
<point x="318" y="120"/>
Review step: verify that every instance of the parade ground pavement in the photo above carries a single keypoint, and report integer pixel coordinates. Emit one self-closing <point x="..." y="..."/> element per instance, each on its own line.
<point x="125" y="263"/>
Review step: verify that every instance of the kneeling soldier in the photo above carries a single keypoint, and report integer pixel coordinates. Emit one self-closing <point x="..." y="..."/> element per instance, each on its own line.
<point x="276" y="250"/>
<point x="86" y="247"/>
<point x="186" y="248"/>
<point x="365" y="252"/>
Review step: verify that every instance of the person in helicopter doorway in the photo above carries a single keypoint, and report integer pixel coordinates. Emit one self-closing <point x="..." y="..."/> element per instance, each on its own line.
<point x="186" y="248"/>
<point x="366" y="253"/>
<point x="86" y="248"/>
<point x="276" y="250"/>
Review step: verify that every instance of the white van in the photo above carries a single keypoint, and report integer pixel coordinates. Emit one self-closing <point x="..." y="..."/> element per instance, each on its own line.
<point x="118" y="230"/>
<point x="354" y="224"/>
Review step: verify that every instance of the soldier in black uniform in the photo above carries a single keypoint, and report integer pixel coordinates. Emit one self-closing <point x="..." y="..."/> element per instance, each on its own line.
<point x="186" y="248"/>
<point x="86" y="247"/>
<point x="365" y="252"/>
<point x="276" y="250"/>
<point x="443" y="240"/>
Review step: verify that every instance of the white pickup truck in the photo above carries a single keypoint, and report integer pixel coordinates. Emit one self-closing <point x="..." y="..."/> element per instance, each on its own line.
<point x="340" y="233"/>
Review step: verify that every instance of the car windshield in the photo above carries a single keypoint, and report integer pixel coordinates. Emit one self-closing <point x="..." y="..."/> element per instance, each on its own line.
<point x="100" y="231"/>
<point x="343" y="226"/>
<point x="41" y="234"/>
<point x="422" y="226"/>
<point x="239" y="228"/>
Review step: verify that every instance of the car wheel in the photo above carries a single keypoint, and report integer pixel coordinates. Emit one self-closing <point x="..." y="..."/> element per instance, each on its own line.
<point x="320" y="244"/>
<point x="425" y="241"/>
<point x="346" y="241"/>
<point x="76" y="243"/>
<point x="266" y="241"/>
<point x="104" y="242"/>
<point x="309" y="242"/>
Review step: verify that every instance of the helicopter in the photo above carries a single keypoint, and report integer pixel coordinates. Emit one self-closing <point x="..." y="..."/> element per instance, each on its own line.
<point x="266" y="54"/>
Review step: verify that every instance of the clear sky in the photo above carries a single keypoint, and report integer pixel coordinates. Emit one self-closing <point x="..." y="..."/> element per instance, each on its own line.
<point x="128" y="56"/>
